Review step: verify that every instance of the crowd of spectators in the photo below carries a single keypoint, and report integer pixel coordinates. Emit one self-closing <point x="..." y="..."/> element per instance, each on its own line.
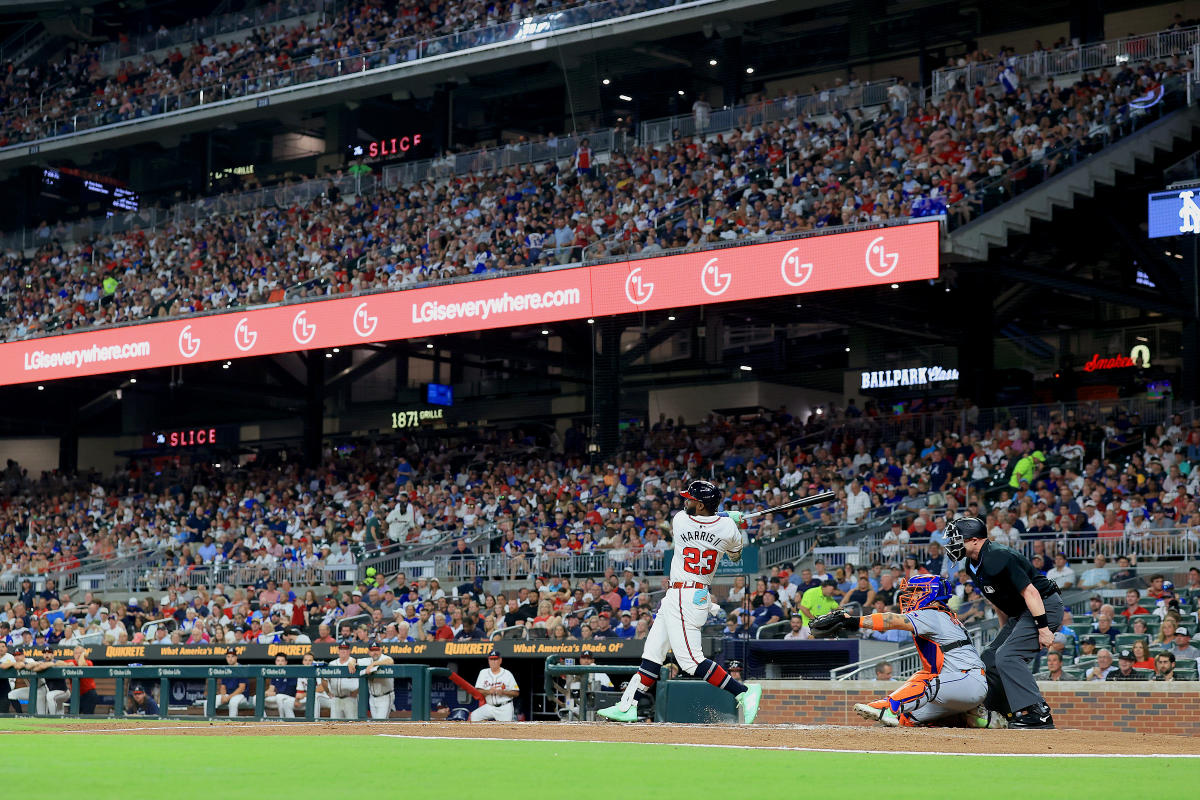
<point x="797" y="175"/>
<point x="77" y="92"/>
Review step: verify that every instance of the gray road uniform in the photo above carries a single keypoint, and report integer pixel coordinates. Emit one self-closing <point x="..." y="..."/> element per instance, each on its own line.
<point x="951" y="679"/>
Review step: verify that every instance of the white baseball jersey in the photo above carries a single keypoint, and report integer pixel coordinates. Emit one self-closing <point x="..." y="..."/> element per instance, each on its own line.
<point x="699" y="544"/>
<point x="492" y="683"/>
<point x="934" y="627"/>
<point x="342" y="687"/>
<point x="378" y="686"/>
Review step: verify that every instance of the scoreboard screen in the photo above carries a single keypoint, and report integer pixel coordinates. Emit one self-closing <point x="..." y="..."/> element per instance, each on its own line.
<point x="89" y="192"/>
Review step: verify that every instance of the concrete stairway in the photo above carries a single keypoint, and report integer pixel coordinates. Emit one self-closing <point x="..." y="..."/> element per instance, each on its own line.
<point x="971" y="241"/>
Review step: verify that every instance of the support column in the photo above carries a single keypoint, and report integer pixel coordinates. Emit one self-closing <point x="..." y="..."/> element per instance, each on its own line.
<point x="606" y="392"/>
<point x="976" y="354"/>
<point x="1189" y="389"/>
<point x="314" y="407"/>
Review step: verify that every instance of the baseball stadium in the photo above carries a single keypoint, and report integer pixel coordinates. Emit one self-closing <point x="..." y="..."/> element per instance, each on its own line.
<point x="677" y="397"/>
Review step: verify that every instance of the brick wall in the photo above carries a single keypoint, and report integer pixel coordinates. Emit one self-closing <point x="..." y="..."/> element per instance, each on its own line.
<point x="1129" y="707"/>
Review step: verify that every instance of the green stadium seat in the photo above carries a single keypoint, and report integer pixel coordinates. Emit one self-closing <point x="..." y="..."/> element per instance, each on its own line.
<point x="1186" y="674"/>
<point x="1186" y="663"/>
<point x="1146" y="674"/>
<point x="1076" y="673"/>
<point x="1084" y="662"/>
<point x="1149" y="619"/>
<point x="1127" y="639"/>
<point x="1081" y="628"/>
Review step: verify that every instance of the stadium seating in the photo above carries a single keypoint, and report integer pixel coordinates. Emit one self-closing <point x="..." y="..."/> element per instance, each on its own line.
<point x="803" y="173"/>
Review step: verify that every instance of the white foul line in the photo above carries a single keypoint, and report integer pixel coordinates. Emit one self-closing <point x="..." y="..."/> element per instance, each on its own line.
<point x="799" y="749"/>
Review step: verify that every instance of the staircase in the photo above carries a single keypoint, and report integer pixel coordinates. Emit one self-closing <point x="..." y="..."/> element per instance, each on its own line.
<point x="973" y="240"/>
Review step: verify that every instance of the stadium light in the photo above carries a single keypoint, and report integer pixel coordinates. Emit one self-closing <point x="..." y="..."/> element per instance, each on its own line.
<point x="749" y="70"/>
<point x="133" y="380"/>
<point x="337" y="349"/>
<point x="895" y="286"/>
<point x="712" y="62"/>
<point x="41" y="388"/>
<point x="625" y="97"/>
<point x="606" y="81"/>
<point x="591" y="321"/>
<point x="429" y="346"/>
<point x="745" y="368"/>
<point x="545" y="332"/>
<point x="847" y="349"/>
<point x="681" y="92"/>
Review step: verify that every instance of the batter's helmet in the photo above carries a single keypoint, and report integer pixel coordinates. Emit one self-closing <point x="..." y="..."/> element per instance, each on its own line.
<point x="958" y="531"/>
<point x="704" y="493"/>
<point x="459" y="715"/>
<point x="921" y="591"/>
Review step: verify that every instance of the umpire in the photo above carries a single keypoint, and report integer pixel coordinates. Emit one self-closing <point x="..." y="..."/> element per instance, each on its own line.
<point x="1031" y="610"/>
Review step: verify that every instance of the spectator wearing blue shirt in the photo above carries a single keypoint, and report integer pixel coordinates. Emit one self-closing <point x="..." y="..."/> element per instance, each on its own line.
<point x="626" y="629"/>
<point x="939" y="471"/>
<point x="768" y="612"/>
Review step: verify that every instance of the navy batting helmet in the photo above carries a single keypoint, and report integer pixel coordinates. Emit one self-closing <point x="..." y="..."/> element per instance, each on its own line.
<point x="704" y="493"/>
<point x="459" y="715"/>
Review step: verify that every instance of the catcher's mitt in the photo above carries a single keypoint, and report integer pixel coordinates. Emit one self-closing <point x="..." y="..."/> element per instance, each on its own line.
<point x="830" y="625"/>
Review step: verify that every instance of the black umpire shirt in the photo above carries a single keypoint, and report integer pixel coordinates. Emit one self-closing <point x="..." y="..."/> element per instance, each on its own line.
<point x="1002" y="574"/>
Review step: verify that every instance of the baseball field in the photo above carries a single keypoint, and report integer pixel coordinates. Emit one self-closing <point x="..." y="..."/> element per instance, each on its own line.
<point x="180" y="760"/>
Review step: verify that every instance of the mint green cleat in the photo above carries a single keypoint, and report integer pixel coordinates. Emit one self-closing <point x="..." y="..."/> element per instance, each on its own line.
<point x="617" y="715"/>
<point x="748" y="701"/>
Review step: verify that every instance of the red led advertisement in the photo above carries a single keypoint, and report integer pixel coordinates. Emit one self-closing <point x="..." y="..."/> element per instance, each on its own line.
<point x="820" y="263"/>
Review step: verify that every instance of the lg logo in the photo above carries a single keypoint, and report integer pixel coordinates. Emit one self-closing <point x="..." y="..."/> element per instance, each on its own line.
<point x="712" y="280"/>
<point x="243" y="337"/>
<point x="886" y="261"/>
<point x="794" y="273"/>
<point x="637" y="290"/>
<point x="364" y="325"/>
<point x="302" y="332"/>
<point x="188" y="345"/>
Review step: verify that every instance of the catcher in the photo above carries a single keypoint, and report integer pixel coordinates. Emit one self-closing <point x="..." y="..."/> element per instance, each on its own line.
<point x="951" y="681"/>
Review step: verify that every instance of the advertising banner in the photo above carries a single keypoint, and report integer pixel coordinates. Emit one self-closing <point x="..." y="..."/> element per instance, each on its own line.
<point x="819" y="263"/>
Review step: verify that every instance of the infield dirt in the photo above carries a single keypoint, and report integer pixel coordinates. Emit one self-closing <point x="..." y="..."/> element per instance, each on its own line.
<point x="755" y="736"/>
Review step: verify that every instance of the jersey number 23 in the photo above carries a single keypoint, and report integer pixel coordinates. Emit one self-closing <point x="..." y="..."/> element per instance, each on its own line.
<point x="700" y="562"/>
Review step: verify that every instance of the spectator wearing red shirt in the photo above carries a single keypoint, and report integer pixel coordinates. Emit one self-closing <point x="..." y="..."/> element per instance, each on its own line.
<point x="1132" y="606"/>
<point x="87" y="686"/>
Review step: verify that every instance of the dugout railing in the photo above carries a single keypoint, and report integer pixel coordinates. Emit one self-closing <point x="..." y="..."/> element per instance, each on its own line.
<point x="420" y="677"/>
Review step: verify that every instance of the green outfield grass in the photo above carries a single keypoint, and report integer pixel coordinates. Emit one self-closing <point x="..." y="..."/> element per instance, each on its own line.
<point x="179" y="767"/>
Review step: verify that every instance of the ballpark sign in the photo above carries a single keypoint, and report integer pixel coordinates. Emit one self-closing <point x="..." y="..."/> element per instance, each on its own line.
<point x="771" y="269"/>
<point x="910" y="376"/>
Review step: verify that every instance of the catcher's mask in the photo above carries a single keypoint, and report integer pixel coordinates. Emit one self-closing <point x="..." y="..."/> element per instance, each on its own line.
<point x="921" y="591"/>
<point x="958" y="531"/>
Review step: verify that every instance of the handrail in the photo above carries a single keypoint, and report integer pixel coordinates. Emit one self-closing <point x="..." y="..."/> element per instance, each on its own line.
<point x="1068" y="60"/>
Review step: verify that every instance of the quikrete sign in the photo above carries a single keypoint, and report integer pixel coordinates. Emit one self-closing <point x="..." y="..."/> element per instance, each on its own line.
<point x="909" y="376"/>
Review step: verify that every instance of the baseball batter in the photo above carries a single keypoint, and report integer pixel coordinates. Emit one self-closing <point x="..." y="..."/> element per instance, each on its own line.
<point x="343" y="692"/>
<point x="701" y="537"/>
<point x="951" y="680"/>
<point x="499" y="687"/>
<point x="383" y="690"/>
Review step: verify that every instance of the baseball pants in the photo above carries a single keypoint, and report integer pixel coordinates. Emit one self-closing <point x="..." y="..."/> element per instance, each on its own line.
<point x="57" y="701"/>
<point x="926" y="697"/>
<point x="235" y="702"/>
<point x="321" y="700"/>
<point x="285" y="704"/>
<point x="1011" y="686"/>
<point x="677" y="628"/>
<point x="489" y="712"/>
<point x="380" y="705"/>
<point x="343" y="708"/>
<point x="22" y="696"/>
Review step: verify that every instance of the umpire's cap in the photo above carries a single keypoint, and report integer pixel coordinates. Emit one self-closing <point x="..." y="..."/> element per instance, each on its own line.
<point x="704" y="493"/>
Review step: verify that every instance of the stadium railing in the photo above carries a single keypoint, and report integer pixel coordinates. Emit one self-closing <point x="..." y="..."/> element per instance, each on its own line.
<point x="1069" y="60"/>
<point x="420" y="676"/>
<point x="84" y="115"/>
<point x="207" y="27"/>
<point x="832" y="101"/>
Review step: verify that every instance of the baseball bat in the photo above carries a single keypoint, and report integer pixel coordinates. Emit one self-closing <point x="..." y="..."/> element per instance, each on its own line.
<point x="811" y="500"/>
